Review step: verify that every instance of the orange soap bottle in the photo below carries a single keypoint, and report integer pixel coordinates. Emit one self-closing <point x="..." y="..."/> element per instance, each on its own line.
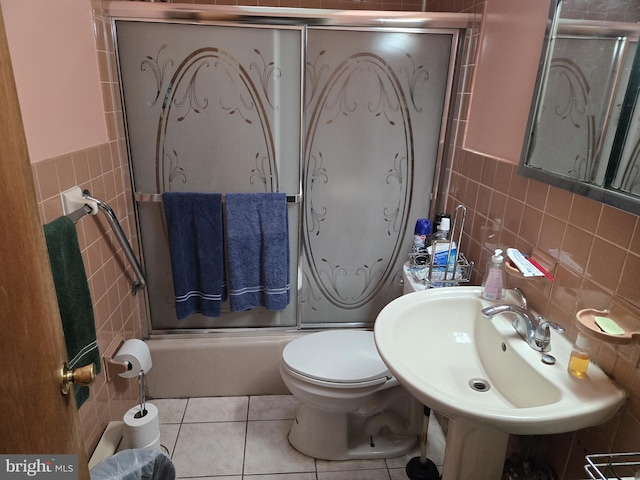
<point x="580" y="357"/>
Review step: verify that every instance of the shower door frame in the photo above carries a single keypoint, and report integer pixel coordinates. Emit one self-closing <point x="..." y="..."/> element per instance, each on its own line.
<point x="455" y="24"/>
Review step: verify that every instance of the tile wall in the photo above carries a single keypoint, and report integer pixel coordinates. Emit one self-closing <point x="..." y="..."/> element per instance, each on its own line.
<point x="99" y="170"/>
<point x="598" y="254"/>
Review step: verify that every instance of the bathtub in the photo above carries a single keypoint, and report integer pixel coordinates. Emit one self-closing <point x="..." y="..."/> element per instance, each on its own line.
<point x="217" y="366"/>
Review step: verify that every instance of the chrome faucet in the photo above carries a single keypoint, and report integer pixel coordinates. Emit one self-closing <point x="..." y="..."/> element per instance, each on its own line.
<point x="534" y="330"/>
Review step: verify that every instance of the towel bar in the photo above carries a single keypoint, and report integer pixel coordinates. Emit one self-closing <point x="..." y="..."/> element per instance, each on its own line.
<point x="157" y="197"/>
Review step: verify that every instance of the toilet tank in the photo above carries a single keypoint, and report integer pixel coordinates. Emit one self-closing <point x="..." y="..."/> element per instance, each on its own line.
<point x="409" y="282"/>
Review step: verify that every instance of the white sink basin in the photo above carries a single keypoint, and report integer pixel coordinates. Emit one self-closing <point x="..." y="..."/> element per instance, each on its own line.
<point x="481" y="372"/>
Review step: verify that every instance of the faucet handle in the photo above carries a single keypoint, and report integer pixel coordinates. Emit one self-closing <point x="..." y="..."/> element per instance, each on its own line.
<point x="543" y="321"/>
<point x="542" y="335"/>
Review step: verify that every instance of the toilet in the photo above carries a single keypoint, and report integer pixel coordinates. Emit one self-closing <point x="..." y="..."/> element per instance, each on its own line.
<point x="352" y="407"/>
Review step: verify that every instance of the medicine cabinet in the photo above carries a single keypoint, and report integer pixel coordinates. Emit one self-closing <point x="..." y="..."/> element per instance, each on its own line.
<point x="584" y="126"/>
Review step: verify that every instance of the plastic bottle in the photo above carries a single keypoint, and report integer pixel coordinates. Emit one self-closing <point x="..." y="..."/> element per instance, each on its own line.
<point x="580" y="357"/>
<point x="421" y="235"/>
<point x="443" y="229"/>
<point x="438" y="219"/>
<point x="494" y="279"/>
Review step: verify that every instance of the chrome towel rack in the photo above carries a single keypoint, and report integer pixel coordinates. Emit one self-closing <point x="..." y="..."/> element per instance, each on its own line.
<point x="88" y="209"/>
<point x="157" y="198"/>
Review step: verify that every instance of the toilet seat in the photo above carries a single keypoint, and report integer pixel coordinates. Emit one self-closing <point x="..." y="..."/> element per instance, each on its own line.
<point x="341" y="358"/>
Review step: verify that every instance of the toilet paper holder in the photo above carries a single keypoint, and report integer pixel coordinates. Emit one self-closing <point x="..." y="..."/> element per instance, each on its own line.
<point x="113" y="367"/>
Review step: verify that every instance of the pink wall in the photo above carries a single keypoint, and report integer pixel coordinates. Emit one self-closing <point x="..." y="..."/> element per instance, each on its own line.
<point x="505" y="77"/>
<point x="53" y="53"/>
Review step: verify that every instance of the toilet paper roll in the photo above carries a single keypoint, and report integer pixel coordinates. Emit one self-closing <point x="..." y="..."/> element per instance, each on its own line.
<point x="136" y="353"/>
<point x="142" y="431"/>
<point x="155" y="445"/>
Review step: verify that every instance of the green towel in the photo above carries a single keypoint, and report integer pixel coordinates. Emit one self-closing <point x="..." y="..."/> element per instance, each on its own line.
<point x="74" y="299"/>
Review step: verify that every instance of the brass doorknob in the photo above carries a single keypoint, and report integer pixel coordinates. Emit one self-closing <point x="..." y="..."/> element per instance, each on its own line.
<point x="83" y="376"/>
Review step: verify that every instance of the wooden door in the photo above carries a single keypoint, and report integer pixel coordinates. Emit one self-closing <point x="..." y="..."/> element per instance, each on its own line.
<point x="35" y="418"/>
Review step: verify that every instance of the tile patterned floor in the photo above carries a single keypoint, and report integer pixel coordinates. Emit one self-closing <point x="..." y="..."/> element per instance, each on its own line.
<point x="245" y="438"/>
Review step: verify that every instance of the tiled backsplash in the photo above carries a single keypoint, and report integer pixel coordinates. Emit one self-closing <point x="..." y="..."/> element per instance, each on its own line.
<point x="597" y="249"/>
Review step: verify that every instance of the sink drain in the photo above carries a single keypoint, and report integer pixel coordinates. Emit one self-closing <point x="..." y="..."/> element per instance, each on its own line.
<point x="479" y="384"/>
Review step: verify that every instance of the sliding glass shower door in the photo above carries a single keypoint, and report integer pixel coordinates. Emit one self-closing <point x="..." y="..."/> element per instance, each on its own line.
<point x="374" y="108"/>
<point x="209" y="108"/>
<point x="351" y="118"/>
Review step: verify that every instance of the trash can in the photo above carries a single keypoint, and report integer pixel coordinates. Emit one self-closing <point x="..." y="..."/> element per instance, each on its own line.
<point x="135" y="464"/>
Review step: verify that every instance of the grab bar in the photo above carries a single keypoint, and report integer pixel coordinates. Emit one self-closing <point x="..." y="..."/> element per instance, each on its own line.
<point x="122" y="239"/>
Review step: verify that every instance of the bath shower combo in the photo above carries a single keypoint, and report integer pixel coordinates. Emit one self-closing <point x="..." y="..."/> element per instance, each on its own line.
<point x="348" y="115"/>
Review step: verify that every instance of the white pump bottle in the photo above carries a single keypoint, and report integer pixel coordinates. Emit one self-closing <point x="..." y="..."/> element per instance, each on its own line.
<point x="494" y="281"/>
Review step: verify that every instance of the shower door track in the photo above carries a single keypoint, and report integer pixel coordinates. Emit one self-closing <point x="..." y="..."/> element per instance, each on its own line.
<point x="251" y="331"/>
<point x="163" y="12"/>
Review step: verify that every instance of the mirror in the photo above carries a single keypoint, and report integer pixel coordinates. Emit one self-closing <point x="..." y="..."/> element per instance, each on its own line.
<point x="584" y="127"/>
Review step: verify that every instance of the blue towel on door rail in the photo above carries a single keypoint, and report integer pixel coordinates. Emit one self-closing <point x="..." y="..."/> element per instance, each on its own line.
<point x="195" y="227"/>
<point x="257" y="241"/>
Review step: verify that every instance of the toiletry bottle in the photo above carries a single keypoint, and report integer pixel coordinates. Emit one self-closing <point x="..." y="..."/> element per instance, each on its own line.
<point x="421" y="235"/>
<point x="580" y="357"/>
<point x="443" y="229"/>
<point x="438" y="219"/>
<point x="494" y="278"/>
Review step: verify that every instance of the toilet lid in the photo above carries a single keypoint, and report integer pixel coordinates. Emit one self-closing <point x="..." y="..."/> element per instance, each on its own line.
<point x="340" y="356"/>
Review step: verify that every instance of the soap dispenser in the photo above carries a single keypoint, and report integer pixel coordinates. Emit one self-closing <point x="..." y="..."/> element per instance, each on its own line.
<point x="494" y="281"/>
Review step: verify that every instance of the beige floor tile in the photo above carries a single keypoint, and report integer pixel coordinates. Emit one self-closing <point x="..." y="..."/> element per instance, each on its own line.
<point x="168" y="436"/>
<point x="216" y="409"/>
<point x="268" y="450"/>
<point x="273" y="407"/>
<point x="170" y="410"/>
<point x="336" y="466"/>
<point x="281" y="476"/>
<point x="380" y="474"/>
<point x="209" y="449"/>
<point x="398" y="474"/>
<point x="216" y="442"/>
<point x="224" y="477"/>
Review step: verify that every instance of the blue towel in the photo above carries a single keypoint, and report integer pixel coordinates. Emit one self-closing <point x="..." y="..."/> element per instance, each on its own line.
<point x="257" y="250"/>
<point x="194" y="222"/>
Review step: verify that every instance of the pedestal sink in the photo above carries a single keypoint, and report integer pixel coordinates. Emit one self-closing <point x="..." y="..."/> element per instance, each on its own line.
<point x="484" y="377"/>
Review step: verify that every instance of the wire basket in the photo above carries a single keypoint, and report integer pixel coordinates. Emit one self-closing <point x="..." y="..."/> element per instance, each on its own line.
<point x="423" y="271"/>
<point x="619" y="466"/>
<point x="452" y="268"/>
